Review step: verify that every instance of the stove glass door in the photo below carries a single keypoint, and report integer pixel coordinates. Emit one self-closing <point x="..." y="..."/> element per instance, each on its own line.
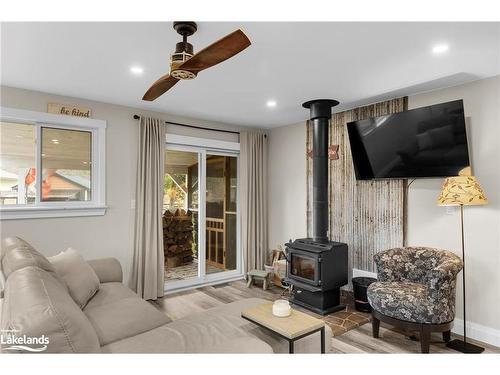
<point x="303" y="267"/>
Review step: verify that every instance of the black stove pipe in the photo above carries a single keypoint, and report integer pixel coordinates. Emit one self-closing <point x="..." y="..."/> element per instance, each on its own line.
<point x="320" y="114"/>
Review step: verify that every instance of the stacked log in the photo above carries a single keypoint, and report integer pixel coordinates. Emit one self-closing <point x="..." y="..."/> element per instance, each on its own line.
<point x="178" y="238"/>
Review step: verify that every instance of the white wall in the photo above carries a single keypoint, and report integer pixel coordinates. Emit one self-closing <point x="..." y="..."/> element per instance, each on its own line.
<point x="428" y="224"/>
<point x="287" y="184"/>
<point x="111" y="234"/>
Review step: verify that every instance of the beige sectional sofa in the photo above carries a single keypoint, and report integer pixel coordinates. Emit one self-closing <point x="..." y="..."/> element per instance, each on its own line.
<point x="115" y="320"/>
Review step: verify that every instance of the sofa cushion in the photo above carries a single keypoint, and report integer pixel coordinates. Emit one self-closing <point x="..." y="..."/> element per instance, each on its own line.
<point x="109" y="293"/>
<point x="245" y="345"/>
<point x="80" y="278"/>
<point x="231" y="312"/>
<point x="37" y="304"/>
<point x="168" y="339"/>
<point x="122" y="318"/>
<point x="214" y="330"/>
<point x="17" y="253"/>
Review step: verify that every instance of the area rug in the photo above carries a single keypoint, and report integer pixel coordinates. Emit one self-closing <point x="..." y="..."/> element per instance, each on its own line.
<point x="342" y="321"/>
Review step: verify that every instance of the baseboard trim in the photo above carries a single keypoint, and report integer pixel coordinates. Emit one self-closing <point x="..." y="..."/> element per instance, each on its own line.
<point x="201" y="285"/>
<point x="477" y="332"/>
<point x="361" y="273"/>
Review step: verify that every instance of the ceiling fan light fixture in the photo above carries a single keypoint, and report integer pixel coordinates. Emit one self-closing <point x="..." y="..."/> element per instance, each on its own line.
<point x="182" y="74"/>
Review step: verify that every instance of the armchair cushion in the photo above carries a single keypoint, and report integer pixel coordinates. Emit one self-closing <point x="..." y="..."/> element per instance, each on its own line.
<point x="401" y="300"/>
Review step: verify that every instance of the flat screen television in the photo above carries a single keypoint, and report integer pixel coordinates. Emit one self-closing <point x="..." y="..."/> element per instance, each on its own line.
<point x="419" y="143"/>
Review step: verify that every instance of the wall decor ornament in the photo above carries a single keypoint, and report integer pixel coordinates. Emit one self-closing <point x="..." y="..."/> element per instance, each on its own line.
<point x="69" y="110"/>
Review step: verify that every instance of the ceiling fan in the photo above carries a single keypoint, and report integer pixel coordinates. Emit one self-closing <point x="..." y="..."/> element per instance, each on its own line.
<point x="186" y="65"/>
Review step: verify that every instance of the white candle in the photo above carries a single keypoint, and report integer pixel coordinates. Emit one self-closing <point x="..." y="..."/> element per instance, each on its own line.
<point x="281" y="308"/>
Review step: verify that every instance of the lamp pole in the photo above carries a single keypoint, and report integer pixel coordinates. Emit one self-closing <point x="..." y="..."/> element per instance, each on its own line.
<point x="459" y="345"/>
<point x="463" y="270"/>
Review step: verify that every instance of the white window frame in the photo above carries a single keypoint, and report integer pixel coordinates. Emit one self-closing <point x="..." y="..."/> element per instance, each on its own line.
<point x="204" y="146"/>
<point x="97" y="205"/>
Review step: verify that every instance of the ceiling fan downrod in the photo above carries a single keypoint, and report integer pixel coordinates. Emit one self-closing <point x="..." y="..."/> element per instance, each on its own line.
<point x="183" y="50"/>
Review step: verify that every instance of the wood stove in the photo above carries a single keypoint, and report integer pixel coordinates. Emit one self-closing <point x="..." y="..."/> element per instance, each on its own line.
<point x="317" y="267"/>
<point x="316" y="270"/>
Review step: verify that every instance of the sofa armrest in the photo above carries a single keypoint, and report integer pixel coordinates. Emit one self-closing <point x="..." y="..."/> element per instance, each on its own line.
<point x="107" y="269"/>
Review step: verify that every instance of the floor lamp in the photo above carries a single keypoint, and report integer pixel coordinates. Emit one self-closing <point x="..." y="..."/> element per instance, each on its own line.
<point x="462" y="191"/>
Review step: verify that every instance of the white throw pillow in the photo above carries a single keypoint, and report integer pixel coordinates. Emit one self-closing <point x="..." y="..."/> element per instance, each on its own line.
<point x="80" y="278"/>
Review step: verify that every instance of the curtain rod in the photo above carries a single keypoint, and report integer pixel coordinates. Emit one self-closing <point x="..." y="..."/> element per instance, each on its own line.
<point x="136" y="117"/>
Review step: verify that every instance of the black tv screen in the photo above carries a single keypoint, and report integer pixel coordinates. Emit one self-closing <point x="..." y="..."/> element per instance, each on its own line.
<point x="423" y="142"/>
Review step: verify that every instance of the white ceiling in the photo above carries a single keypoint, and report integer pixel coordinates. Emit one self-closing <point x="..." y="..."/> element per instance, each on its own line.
<point x="355" y="63"/>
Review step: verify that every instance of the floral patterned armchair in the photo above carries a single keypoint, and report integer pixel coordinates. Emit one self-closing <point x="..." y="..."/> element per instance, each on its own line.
<point x="416" y="289"/>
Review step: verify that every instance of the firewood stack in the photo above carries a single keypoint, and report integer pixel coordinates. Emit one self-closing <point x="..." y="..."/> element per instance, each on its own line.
<point x="177" y="238"/>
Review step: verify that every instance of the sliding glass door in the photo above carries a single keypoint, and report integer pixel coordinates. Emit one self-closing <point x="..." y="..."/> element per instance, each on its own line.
<point x="201" y="236"/>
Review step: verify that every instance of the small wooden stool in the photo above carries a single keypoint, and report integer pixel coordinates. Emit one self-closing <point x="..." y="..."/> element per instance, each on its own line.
<point x="258" y="275"/>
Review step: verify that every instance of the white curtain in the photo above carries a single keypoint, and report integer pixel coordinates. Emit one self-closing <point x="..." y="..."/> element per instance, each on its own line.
<point x="253" y="171"/>
<point x="148" y="275"/>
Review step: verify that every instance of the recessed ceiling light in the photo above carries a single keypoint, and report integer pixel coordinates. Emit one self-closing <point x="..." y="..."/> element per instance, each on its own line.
<point x="137" y="70"/>
<point x="271" y="103"/>
<point x="55" y="141"/>
<point x="440" y="48"/>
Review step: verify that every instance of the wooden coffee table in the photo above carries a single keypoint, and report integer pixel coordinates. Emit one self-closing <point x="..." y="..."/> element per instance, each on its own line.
<point x="291" y="328"/>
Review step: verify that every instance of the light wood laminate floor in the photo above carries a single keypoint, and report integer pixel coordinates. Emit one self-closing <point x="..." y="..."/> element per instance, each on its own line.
<point x="358" y="340"/>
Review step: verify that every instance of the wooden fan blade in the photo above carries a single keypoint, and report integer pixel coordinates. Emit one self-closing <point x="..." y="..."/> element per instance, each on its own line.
<point x="160" y="87"/>
<point x="217" y="52"/>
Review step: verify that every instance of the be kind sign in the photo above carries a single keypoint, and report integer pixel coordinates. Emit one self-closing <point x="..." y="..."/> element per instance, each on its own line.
<point x="69" y="110"/>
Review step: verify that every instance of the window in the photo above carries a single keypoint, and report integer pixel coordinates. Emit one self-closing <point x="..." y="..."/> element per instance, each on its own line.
<point x="50" y="165"/>
<point x="18" y="163"/>
<point x="66" y="165"/>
